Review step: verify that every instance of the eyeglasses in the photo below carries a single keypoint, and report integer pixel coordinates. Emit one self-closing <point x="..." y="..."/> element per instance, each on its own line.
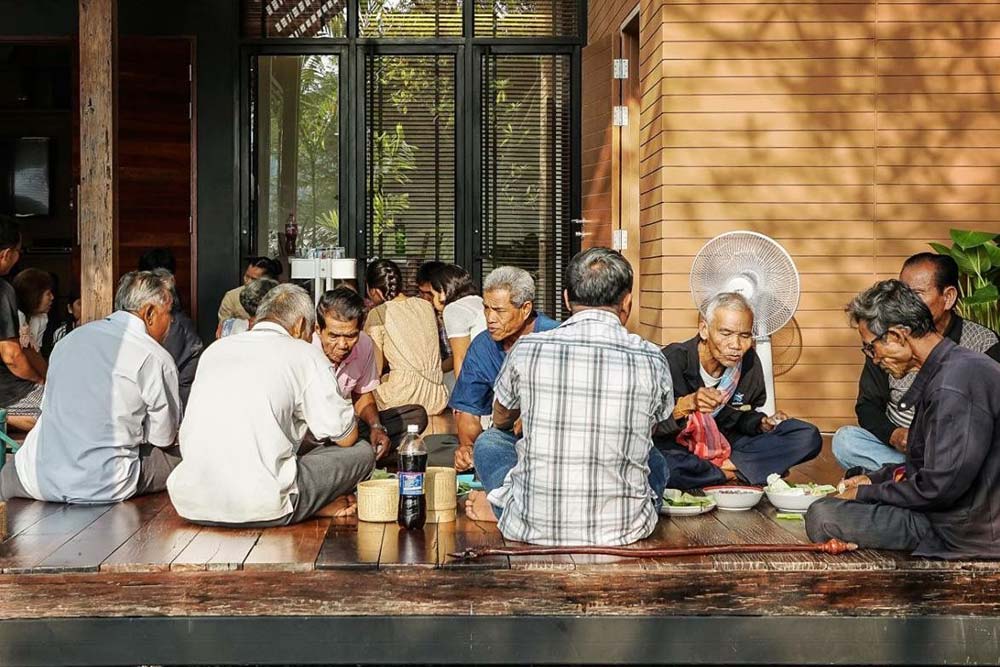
<point x="869" y="348"/>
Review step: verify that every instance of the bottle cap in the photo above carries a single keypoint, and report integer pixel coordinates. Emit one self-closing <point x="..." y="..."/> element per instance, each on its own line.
<point x="412" y="428"/>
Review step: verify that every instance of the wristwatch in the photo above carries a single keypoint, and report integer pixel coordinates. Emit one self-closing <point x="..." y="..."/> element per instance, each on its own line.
<point x="379" y="427"/>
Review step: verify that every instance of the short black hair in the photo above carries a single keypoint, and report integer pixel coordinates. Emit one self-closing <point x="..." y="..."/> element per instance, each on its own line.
<point x="426" y="269"/>
<point x="453" y="282"/>
<point x="272" y="267"/>
<point x="254" y="293"/>
<point x="158" y="258"/>
<point x="598" y="277"/>
<point x="945" y="268"/>
<point x="888" y="304"/>
<point x="343" y="304"/>
<point x="10" y="233"/>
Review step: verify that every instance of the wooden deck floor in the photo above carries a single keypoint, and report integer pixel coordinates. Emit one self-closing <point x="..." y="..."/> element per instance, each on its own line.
<point x="87" y="572"/>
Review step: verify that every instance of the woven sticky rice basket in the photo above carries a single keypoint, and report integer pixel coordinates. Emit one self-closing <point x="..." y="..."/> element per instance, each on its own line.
<point x="441" y="516"/>
<point x="378" y="500"/>
<point x="441" y="488"/>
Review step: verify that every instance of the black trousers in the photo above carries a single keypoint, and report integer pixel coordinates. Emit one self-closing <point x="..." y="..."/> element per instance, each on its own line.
<point x="869" y="525"/>
<point x="395" y="421"/>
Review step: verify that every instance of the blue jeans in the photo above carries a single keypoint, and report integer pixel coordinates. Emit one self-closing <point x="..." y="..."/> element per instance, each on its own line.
<point x="495" y="455"/>
<point x="854" y="446"/>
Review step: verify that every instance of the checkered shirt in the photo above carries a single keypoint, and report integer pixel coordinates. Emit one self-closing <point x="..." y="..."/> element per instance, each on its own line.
<point x="590" y="394"/>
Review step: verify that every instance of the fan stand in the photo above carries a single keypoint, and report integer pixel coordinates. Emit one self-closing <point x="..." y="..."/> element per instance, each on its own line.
<point x="763" y="347"/>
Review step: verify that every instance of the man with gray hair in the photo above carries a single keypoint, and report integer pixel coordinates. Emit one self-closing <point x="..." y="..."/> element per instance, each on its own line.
<point x="944" y="499"/>
<point x="254" y="399"/>
<point x="589" y="394"/>
<point x="111" y="407"/>
<point x="509" y="303"/>
<point x="715" y="432"/>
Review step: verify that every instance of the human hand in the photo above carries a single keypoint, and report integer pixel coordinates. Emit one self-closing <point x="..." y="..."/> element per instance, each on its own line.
<point x="848" y="488"/>
<point x="380" y="441"/>
<point x="518" y="428"/>
<point x="706" y="399"/>
<point x="899" y="437"/>
<point x="463" y="458"/>
<point x="768" y="423"/>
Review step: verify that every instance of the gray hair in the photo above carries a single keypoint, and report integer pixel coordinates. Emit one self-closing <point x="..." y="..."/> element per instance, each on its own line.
<point x="729" y="301"/>
<point x="888" y="304"/>
<point x="598" y="277"/>
<point x="138" y="288"/>
<point x="285" y="305"/>
<point x="515" y="280"/>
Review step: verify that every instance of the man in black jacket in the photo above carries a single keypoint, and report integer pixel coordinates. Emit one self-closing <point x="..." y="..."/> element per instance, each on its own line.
<point x="881" y="435"/>
<point x="760" y="444"/>
<point x="944" y="500"/>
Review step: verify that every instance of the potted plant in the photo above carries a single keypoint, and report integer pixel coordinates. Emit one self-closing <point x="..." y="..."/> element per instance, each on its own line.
<point x="978" y="258"/>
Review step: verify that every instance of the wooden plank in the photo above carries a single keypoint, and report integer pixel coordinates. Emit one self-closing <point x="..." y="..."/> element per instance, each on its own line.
<point x="289" y="548"/>
<point x="98" y="34"/>
<point x="33" y="545"/>
<point x="216" y="549"/>
<point x="408" y="548"/>
<point x="669" y="534"/>
<point x="464" y="533"/>
<point x="87" y="550"/>
<point x="352" y="545"/>
<point x="752" y="527"/>
<point x="706" y="529"/>
<point x="22" y="513"/>
<point x="154" y="546"/>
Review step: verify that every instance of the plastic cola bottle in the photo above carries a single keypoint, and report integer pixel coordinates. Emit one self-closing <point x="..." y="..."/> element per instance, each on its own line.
<point x="412" y="467"/>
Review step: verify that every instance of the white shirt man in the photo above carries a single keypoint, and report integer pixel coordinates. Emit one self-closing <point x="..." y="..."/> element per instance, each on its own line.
<point x="255" y="396"/>
<point x="110" y="413"/>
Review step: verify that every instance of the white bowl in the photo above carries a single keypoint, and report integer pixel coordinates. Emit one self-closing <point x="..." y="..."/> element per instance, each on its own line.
<point x="790" y="502"/>
<point x="735" y="498"/>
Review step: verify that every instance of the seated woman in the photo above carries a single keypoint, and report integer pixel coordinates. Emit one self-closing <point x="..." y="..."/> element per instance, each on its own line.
<point x="404" y="331"/>
<point x="461" y="308"/>
<point x="34" y="300"/>
<point x="715" y="432"/>
<point x="73" y="317"/>
<point x="250" y="298"/>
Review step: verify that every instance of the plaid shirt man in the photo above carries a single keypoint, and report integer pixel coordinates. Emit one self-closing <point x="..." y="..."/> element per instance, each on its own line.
<point x="590" y="394"/>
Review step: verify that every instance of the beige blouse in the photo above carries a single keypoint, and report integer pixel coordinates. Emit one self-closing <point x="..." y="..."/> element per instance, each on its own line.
<point x="405" y="330"/>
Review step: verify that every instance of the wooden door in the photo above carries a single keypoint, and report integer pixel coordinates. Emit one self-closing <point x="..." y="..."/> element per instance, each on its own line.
<point x="156" y="176"/>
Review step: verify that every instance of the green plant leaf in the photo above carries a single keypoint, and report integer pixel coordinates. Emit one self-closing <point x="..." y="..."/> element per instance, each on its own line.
<point x="962" y="259"/>
<point x="984" y="295"/>
<point x="993" y="251"/>
<point x="979" y="260"/>
<point x="965" y="239"/>
<point x="940" y="249"/>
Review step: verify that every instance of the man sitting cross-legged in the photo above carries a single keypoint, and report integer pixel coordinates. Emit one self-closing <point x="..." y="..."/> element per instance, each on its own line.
<point x="881" y="434"/>
<point x="340" y="315"/>
<point x="253" y="399"/>
<point x="588" y="394"/>
<point x="509" y="302"/>
<point x="944" y="499"/>
<point x="111" y="407"/>
<point x="715" y="432"/>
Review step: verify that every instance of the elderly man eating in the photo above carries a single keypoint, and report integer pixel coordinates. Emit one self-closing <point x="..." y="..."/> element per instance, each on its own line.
<point x="944" y="499"/>
<point x="589" y="394"/>
<point x="253" y="399"/>
<point x="509" y="302"/>
<point x="883" y="426"/>
<point x="340" y="315"/>
<point x="715" y="432"/>
<point x="111" y="407"/>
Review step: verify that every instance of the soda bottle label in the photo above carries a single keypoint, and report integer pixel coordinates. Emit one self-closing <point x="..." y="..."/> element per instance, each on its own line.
<point x="411" y="483"/>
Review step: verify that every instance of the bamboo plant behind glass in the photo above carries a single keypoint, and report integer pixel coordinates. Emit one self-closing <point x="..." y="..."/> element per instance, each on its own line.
<point x="978" y="258"/>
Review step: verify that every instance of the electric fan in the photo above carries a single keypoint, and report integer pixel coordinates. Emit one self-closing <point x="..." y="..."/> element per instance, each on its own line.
<point x="763" y="272"/>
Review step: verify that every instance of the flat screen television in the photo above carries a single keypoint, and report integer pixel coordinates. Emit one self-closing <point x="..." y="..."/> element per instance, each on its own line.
<point x="25" y="176"/>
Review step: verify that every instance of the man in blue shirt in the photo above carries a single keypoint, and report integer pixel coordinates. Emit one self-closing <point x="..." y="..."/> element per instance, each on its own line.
<point x="508" y="299"/>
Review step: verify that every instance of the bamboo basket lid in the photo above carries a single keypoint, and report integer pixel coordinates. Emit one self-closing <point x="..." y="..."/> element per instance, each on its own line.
<point x="378" y="500"/>
<point x="441" y="488"/>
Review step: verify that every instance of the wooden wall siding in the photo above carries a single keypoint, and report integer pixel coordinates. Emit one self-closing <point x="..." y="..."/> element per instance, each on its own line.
<point x="853" y="132"/>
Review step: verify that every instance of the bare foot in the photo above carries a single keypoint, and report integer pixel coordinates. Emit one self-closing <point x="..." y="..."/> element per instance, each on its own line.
<point x="341" y="507"/>
<point x="478" y="507"/>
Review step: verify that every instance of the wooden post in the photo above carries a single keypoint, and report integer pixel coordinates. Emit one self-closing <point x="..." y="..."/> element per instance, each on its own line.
<point x="97" y="210"/>
<point x="3" y="521"/>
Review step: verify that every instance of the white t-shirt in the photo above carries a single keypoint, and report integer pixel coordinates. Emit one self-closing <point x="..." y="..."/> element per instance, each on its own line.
<point x="465" y="317"/>
<point x="253" y="399"/>
<point x="32" y="330"/>
<point x="110" y="388"/>
<point x="706" y="377"/>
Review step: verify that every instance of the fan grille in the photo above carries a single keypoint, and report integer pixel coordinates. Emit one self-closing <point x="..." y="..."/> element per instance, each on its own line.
<point x="754" y="265"/>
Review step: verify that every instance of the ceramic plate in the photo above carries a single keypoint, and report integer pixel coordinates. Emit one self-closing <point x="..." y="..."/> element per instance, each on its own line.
<point x="690" y="510"/>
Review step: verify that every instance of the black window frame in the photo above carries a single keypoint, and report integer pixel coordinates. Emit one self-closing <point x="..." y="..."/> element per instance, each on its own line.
<point x="468" y="51"/>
